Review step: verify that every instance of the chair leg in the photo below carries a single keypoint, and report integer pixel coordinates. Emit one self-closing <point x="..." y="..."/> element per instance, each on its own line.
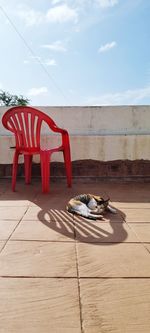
<point x="68" y="166"/>
<point x="45" y="170"/>
<point x="27" y="166"/>
<point x="14" y="170"/>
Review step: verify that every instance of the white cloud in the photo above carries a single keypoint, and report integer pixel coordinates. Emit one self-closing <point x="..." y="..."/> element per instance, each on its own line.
<point x="85" y="3"/>
<point x="32" y="60"/>
<point x="61" y="13"/>
<point x="26" y="62"/>
<point x="56" y="46"/>
<point x="121" y="98"/>
<point x="107" y="3"/>
<point x="30" y="16"/>
<point x="54" y="2"/>
<point x="58" y="14"/>
<point x="39" y="60"/>
<point x="36" y="58"/>
<point x="37" y="91"/>
<point x="50" y="62"/>
<point x="107" y="47"/>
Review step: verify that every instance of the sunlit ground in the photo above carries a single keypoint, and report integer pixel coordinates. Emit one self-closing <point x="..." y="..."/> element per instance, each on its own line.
<point x="62" y="273"/>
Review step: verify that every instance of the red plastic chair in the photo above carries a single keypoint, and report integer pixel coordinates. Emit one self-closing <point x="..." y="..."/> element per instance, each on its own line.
<point x="25" y="122"/>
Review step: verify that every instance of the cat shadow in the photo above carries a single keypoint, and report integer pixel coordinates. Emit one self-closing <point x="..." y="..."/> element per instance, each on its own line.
<point x="111" y="229"/>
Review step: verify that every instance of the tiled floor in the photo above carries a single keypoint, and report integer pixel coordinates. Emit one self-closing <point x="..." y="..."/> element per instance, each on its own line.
<point x="65" y="274"/>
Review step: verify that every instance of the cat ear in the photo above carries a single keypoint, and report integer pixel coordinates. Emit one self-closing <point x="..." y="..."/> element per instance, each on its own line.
<point x="97" y="197"/>
<point x="104" y="201"/>
<point x="100" y="199"/>
<point x="107" y="200"/>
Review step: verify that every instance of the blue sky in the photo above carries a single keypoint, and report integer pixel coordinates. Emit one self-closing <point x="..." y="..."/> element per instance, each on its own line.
<point x="76" y="52"/>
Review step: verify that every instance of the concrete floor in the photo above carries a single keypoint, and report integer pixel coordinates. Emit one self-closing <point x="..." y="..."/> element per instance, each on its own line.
<point x="65" y="274"/>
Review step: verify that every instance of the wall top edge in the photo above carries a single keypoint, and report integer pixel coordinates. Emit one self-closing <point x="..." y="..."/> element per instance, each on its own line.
<point x="83" y="106"/>
<point x="89" y="106"/>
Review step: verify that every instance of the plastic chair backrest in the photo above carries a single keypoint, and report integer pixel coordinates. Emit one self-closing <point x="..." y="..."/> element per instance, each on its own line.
<point x="25" y="122"/>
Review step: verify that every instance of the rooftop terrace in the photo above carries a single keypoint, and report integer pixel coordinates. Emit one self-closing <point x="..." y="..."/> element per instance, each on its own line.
<point x="65" y="274"/>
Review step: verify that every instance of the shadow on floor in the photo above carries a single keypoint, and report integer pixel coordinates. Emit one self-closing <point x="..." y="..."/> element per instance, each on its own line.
<point x="85" y="230"/>
<point x="53" y="215"/>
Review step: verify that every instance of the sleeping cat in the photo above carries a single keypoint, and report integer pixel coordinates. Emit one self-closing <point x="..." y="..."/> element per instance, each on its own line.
<point x="89" y="206"/>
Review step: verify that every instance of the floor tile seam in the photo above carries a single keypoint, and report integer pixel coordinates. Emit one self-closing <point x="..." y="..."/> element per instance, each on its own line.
<point x="133" y="208"/>
<point x="72" y="241"/>
<point x="136" y="222"/>
<point x="78" y="281"/>
<point x="114" y="277"/>
<point x="34" y="198"/>
<point x="126" y="220"/>
<point x="10" y="219"/>
<point x="13" y="232"/>
<point x="138" y="238"/>
<point x="105" y="243"/>
<point x="75" y="277"/>
<point x="117" y="209"/>
<point x="38" y="277"/>
<point x="41" y="241"/>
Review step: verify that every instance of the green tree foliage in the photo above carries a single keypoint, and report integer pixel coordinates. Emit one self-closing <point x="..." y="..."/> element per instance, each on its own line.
<point x="7" y="99"/>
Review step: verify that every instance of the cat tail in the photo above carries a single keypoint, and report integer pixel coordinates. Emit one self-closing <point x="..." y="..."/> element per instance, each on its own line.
<point x="94" y="217"/>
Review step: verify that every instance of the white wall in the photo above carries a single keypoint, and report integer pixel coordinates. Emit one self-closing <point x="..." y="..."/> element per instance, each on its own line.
<point x="100" y="133"/>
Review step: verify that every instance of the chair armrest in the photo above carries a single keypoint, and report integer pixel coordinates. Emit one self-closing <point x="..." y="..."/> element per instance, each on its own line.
<point x="59" y="130"/>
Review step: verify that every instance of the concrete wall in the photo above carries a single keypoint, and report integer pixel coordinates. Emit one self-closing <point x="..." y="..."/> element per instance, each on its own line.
<point x="98" y="133"/>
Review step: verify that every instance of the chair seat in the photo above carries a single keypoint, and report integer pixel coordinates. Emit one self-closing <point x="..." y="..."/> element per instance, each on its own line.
<point x="27" y="151"/>
<point x="51" y="150"/>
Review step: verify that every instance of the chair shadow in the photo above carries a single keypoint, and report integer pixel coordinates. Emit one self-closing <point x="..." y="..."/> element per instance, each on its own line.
<point x="110" y="230"/>
<point x="100" y="232"/>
